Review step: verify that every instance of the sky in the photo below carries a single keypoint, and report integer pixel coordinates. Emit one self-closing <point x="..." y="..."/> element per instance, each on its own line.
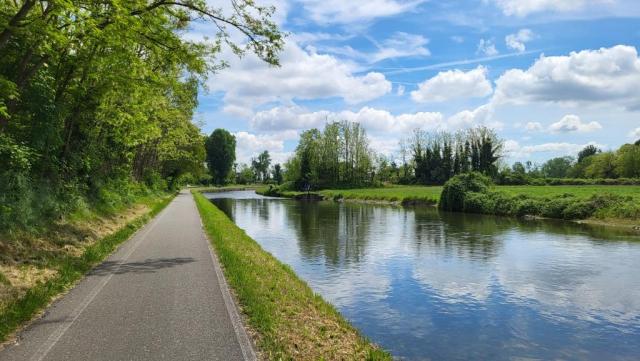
<point x="550" y="76"/>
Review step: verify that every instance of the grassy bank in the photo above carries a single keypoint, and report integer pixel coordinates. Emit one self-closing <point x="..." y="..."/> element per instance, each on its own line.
<point x="474" y="193"/>
<point x="292" y="322"/>
<point x="35" y="269"/>
<point x="612" y="204"/>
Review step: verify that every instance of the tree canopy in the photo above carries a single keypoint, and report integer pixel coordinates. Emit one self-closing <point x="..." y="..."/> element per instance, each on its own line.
<point x="97" y="95"/>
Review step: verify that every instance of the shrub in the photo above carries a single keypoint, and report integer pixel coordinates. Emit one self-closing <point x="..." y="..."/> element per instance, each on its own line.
<point x="456" y="189"/>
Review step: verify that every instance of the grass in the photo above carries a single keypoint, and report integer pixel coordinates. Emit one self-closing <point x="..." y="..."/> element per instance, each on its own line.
<point x="577" y="191"/>
<point x="403" y="194"/>
<point x="399" y="193"/>
<point x="291" y="321"/>
<point x="229" y="187"/>
<point x="66" y="269"/>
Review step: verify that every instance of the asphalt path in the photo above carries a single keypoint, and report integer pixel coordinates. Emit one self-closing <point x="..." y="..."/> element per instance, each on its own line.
<point x="160" y="296"/>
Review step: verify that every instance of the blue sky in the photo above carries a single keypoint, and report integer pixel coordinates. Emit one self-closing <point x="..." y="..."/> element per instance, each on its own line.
<point x="549" y="75"/>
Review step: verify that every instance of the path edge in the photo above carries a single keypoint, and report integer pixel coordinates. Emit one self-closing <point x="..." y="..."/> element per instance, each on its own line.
<point x="246" y="346"/>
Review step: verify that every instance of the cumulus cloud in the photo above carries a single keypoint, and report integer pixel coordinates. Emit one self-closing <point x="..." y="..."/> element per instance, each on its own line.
<point x="517" y="41"/>
<point x="248" y="145"/>
<point x="607" y="75"/>
<point x="377" y="120"/>
<point x="355" y="11"/>
<point x="486" y="47"/>
<point x="304" y="74"/>
<point x="635" y="133"/>
<point x="453" y="84"/>
<point x="526" y="7"/>
<point x="515" y="149"/>
<point x="573" y="123"/>
<point x="533" y="127"/>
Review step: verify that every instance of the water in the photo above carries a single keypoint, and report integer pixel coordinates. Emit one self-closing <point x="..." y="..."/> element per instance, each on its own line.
<point x="442" y="286"/>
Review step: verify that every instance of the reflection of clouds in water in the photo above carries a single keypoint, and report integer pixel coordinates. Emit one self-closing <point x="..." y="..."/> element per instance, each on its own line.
<point x="458" y="286"/>
<point x="452" y="282"/>
<point x="567" y="277"/>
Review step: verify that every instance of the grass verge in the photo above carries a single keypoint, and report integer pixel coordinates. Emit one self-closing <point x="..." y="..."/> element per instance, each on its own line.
<point x="292" y="322"/>
<point x="69" y="268"/>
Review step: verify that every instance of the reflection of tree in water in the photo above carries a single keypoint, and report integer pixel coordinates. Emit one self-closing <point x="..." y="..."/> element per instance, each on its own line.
<point x="337" y="232"/>
<point x="480" y="236"/>
<point x="226" y="205"/>
<point x="458" y="234"/>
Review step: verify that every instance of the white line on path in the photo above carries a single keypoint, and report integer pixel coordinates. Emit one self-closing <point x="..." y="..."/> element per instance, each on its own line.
<point x="62" y="329"/>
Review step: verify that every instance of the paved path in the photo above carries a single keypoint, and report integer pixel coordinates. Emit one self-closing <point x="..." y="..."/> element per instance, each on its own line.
<point x="161" y="296"/>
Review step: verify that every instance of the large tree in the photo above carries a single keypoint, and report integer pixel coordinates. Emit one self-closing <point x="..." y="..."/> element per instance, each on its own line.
<point x="97" y="94"/>
<point x="221" y="154"/>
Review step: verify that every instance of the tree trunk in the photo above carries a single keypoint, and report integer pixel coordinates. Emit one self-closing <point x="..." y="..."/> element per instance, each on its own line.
<point x="5" y="36"/>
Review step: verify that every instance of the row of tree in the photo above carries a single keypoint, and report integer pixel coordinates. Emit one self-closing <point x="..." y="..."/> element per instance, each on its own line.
<point x="96" y="97"/>
<point x="441" y="155"/>
<point x="591" y="162"/>
<point x="221" y="162"/>
<point x="339" y="155"/>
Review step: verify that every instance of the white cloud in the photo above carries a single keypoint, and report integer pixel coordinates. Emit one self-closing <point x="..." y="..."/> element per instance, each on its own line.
<point x="573" y="123"/>
<point x="560" y="148"/>
<point x="248" y="145"/>
<point x="400" y="90"/>
<point x="372" y="119"/>
<point x="356" y="11"/>
<point x="457" y="39"/>
<point x="288" y="117"/>
<point x="526" y="7"/>
<point x="517" y="41"/>
<point x="533" y="127"/>
<point x="605" y="76"/>
<point x="402" y="44"/>
<point x="304" y="74"/>
<point x="453" y="84"/>
<point x="481" y="115"/>
<point x="487" y="48"/>
<point x="635" y="133"/>
<point x="399" y="45"/>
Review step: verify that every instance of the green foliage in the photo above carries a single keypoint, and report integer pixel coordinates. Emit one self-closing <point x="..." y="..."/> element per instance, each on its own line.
<point x="455" y="191"/>
<point x="557" y="167"/>
<point x="337" y="156"/>
<point x="628" y="161"/>
<point x="221" y="153"/>
<point x="439" y="156"/>
<point x="101" y="94"/>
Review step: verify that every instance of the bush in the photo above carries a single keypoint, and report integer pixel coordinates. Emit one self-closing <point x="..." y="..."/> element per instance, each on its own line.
<point x="457" y="188"/>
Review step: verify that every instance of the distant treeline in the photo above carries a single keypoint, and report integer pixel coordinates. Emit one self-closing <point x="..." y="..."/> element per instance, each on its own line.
<point x="592" y="166"/>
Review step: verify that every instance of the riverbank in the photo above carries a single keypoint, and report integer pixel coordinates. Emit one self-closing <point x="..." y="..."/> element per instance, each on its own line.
<point x="290" y="321"/>
<point x="37" y="268"/>
<point x="614" y="205"/>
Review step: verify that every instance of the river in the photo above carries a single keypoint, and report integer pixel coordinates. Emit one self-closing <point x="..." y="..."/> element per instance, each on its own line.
<point x="428" y="285"/>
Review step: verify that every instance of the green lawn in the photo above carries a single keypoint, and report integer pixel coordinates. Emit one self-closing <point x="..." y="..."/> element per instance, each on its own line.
<point x="432" y="193"/>
<point x="393" y="193"/>
<point x="578" y="191"/>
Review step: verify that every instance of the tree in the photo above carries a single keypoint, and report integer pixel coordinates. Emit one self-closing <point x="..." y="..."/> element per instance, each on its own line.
<point x="100" y="94"/>
<point x="588" y="151"/>
<point x="603" y="165"/>
<point x="277" y="173"/>
<point x="261" y="165"/>
<point x="628" y="161"/>
<point x="221" y="153"/>
<point x="557" y="167"/>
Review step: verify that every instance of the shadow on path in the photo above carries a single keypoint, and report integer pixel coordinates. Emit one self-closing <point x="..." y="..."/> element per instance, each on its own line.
<point x="147" y="266"/>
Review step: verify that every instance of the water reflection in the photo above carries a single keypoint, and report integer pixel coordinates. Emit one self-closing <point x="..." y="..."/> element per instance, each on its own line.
<point x="430" y="285"/>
